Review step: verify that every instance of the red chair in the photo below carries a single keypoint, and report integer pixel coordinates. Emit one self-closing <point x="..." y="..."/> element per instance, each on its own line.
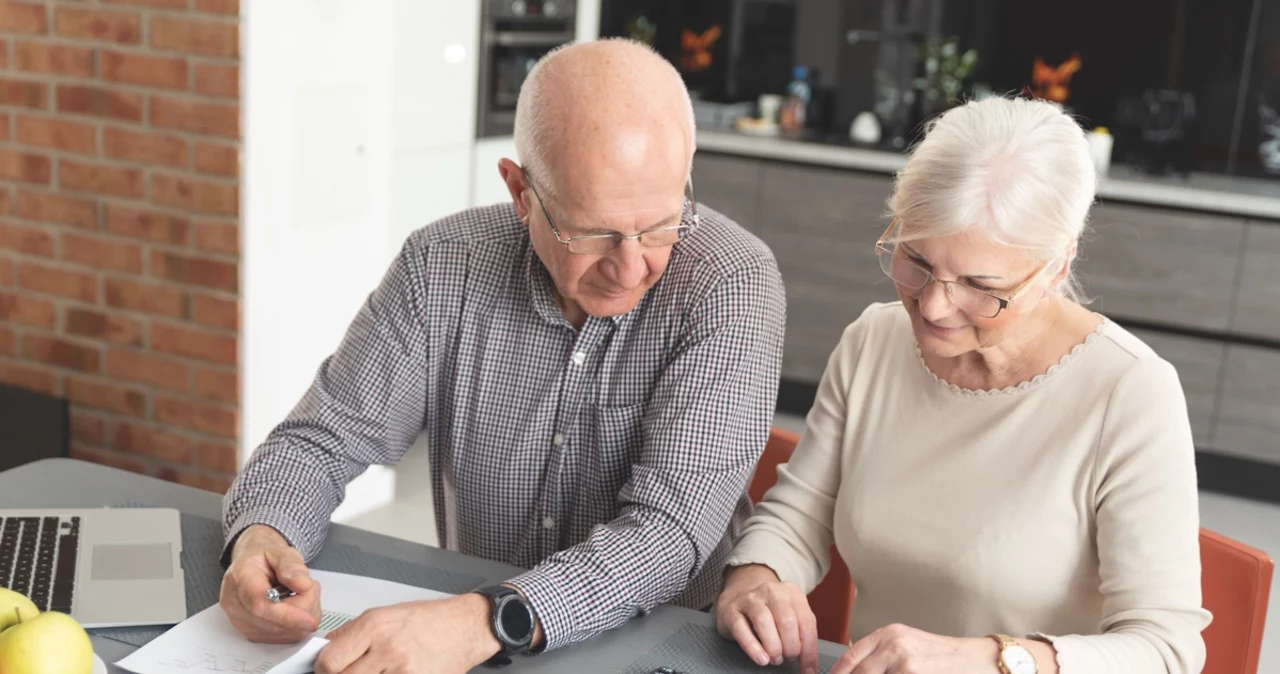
<point x="1235" y="581"/>
<point x="832" y="599"/>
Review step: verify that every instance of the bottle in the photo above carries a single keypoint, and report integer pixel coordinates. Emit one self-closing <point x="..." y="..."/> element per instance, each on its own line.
<point x="792" y="117"/>
<point x="1100" y="143"/>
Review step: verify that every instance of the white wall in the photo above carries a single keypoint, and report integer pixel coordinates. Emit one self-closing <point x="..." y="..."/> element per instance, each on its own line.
<point x="358" y="122"/>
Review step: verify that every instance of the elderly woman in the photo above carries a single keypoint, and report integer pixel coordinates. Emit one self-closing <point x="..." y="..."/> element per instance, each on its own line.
<point x="989" y="457"/>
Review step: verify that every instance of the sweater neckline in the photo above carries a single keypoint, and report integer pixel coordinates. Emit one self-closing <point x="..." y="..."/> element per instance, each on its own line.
<point x="1024" y="386"/>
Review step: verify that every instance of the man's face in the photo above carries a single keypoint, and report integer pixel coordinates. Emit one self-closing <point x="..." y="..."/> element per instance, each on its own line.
<point x="602" y="283"/>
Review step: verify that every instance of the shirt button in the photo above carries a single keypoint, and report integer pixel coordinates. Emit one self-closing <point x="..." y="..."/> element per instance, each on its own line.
<point x="557" y="440"/>
<point x="579" y="358"/>
<point x="548" y="523"/>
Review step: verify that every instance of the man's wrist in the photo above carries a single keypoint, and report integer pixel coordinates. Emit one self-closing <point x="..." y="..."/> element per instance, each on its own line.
<point x="479" y="614"/>
<point x="256" y="535"/>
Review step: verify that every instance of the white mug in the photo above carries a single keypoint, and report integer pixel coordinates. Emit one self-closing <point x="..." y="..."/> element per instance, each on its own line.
<point x="770" y="105"/>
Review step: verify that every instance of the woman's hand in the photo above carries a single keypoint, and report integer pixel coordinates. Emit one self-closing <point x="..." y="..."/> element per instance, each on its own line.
<point x="770" y="619"/>
<point x="898" y="649"/>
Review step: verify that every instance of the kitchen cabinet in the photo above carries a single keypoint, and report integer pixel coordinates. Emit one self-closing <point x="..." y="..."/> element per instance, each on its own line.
<point x="1159" y="265"/>
<point x="1249" y="411"/>
<point x="1257" y="310"/>
<point x="1199" y="366"/>
<point x="730" y="185"/>
<point x="822" y="225"/>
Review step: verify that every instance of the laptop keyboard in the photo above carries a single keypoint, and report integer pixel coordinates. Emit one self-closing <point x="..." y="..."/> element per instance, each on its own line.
<point x="38" y="559"/>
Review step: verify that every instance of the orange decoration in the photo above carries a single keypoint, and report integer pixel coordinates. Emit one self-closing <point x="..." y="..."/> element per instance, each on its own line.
<point x="697" y="48"/>
<point x="1051" y="83"/>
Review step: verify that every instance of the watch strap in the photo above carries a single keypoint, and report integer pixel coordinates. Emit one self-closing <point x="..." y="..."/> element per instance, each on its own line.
<point x="499" y="596"/>
<point x="1005" y="641"/>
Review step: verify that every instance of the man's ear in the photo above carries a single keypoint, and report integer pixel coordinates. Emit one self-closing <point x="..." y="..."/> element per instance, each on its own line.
<point x="517" y="185"/>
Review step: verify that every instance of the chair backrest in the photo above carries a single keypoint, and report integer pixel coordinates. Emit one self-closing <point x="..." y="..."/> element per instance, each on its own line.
<point x="1235" y="581"/>
<point x="832" y="599"/>
<point x="33" y="426"/>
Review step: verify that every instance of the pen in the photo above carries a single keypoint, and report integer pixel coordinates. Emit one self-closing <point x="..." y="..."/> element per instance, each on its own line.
<point x="279" y="592"/>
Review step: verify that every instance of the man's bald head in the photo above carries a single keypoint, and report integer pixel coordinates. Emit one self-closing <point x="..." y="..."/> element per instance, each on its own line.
<point x="612" y="105"/>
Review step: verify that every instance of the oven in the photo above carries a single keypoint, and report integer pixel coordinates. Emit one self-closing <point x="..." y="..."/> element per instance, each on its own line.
<point x="514" y="34"/>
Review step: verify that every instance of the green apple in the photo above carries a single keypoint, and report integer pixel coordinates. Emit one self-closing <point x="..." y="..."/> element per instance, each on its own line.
<point x="50" y="643"/>
<point x="15" y="608"/>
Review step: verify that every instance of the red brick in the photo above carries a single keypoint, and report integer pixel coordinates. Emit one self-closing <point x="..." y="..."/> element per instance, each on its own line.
<point x="29" y="240"/>
<point x="87" y="427"/>
<point x="96" y="24"/>
<point x="31" y="377"/>
<point x="152" y="71"/>
<point x="23" y="17"/>
<point x="8" y="342"/>
<point x="28" y="310"/>
<point x="212" y="419"/>
<point x="148" y="298"/>
<point x="6" y="199"/>
<point x="24" y="166"/>
<point x="195" y="271"/>
<point x="5" y="134"/>
<point x="108" y="102"/>
<point x="194" y="194"/>
<point x="48" y="207"/>
<point x="102" y="396"/>
<point x="215" y="312"/>
<point x="6" y="271"/>
<point x="216" y="119"/>
<point x="62" y="353"/>
<point x="218" y="80"/>
<point x="223" y="160"/>
<point x="150" y="225"/>
<point x="4" y="54"/>
<point x="159" y="4"/>
<point x="218" y="6"/>
<point x="146" y="148"/>
<point x="195" y="36"/>
<point x="217" y="456"/>
<point x="150" y="441"/>
<point x="197" y="344"/>
<point x="24" y="93"/>
<point x="65" y="282"/>
<point x="221" y="385"/>
<point x="145" y="368"/>
<point x="99" y="325"/>
<point x="218" y="237"/>
<point x="100" y="178"/>
<point x="58" y="134"/>
<point x="53" y="59"/>
<point x="101" y="253"/>
<point x="106" y="458"/>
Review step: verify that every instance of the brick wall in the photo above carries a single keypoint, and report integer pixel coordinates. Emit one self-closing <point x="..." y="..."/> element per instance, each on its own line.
<point x="119" y="229"/>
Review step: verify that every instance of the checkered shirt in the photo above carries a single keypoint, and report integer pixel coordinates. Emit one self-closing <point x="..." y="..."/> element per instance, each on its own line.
<point x="611" y="460"/>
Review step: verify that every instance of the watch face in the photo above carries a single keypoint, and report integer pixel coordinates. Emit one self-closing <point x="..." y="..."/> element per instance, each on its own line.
<point x="1018" y="660"/>
<point x="515" y="620"/>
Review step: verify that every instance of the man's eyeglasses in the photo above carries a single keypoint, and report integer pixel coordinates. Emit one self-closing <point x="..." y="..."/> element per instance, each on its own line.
<point x="909" y="274"/>
<point x="595" y="244"/>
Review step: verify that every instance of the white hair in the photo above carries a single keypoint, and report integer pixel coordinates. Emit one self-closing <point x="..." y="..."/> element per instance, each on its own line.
<point x="1019" y="169"/>
<point x="533" y="123"/>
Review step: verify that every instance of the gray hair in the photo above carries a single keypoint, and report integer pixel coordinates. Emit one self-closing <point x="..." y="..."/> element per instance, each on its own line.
<point x="532" y="126"/>
<point x="1019" y="169"/>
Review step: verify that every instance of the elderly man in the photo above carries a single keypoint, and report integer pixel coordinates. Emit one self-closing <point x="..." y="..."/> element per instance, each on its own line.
<point x="595" y="365"/>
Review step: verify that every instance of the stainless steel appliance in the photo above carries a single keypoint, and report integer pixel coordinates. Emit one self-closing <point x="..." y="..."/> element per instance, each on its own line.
<point x="514" y="34"/>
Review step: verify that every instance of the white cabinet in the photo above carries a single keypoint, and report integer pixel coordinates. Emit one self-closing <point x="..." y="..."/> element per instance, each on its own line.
<point x="359" y="117"/>
<point x="486" y="183"/>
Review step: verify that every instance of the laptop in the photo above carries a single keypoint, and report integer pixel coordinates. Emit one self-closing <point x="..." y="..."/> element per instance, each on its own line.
<point x="106" y="567"/>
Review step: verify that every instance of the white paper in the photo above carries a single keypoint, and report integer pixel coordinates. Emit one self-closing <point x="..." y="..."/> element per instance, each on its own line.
<point x="207" y="642"/>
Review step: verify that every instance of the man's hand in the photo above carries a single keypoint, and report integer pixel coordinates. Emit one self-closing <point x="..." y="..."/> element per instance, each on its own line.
<point x="450" y="636"/>
<point x="261" y="559"/>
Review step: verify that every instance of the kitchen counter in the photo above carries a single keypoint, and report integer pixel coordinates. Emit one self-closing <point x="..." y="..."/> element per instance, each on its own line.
<point x="1215" y="193"/>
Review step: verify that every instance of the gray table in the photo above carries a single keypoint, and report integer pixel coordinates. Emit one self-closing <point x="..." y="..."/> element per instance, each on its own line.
<point x="68" y="483"/>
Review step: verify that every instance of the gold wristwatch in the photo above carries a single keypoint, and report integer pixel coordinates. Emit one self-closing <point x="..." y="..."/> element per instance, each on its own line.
<point x="1014" y="658"/>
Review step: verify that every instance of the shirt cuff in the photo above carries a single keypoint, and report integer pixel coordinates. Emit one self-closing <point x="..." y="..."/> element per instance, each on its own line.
<point x="1063" y="648"/>
<point x="292" y="532"/>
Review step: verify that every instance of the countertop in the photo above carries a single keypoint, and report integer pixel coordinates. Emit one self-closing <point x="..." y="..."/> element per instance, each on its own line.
<point x="1232" y="195"/>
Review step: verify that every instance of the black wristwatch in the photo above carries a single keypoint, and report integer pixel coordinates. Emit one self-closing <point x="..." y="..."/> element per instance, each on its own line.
<point x="511" y="619"/>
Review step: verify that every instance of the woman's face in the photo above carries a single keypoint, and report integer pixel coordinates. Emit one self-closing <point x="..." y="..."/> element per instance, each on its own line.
<point x="974" y="261"/>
